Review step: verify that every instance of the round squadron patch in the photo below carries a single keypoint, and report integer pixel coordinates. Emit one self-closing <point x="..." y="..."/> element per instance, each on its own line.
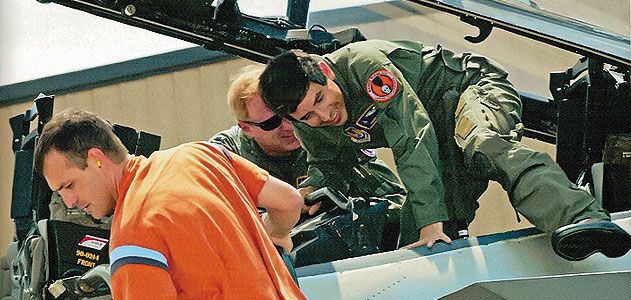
<point x="382" y="86"/>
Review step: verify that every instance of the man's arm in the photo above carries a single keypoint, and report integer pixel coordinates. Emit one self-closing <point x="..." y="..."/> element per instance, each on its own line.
<point x="283" y="204"/>
<point x="140" y="273"/>
<point x="281" y="201"/>
<point x="373" y="178"/>
<point x="323" y="156"/>
<point x="410" y="134"/>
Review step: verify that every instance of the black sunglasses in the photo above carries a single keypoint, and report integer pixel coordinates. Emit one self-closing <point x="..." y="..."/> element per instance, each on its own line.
<point x="269" y="124"/>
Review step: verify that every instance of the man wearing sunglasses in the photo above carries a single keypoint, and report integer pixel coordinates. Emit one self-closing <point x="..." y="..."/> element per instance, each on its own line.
<point x="260" y="136"/>
<point x="268" y="141"/>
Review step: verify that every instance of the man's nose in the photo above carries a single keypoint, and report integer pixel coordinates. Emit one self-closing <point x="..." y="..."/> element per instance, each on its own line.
<point x="286" y="124"/>
<point x="69" y="199"/>
<point x="322" y="114"/>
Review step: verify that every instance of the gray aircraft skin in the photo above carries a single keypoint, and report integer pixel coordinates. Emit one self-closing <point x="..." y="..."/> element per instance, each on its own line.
<point x="511" y="265"/>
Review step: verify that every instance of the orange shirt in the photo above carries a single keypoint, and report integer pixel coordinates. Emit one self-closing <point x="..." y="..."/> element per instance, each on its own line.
<point x="186" y="226"/>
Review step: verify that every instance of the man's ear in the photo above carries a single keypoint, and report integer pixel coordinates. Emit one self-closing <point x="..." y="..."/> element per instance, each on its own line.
<point x="326" y="70"/>
<point x="96" y="157"/>
<point x="247" y="128"/>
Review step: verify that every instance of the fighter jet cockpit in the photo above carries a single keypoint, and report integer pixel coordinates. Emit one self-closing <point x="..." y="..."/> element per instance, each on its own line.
<point x="572" y="75"/>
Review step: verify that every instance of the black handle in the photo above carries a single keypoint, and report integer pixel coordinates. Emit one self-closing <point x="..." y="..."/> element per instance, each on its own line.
<point x="327" y="196"/>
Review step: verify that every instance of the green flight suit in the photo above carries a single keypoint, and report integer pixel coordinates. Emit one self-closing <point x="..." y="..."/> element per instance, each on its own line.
<point x="453" y="123"/>
<point x="370" y="178"/>
<point x="291" y="168"/>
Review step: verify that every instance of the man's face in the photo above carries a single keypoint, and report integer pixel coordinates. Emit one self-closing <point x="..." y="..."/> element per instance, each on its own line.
<point x="323" y="105"/>
<point x="278" y="141"/>
<point x="87" y="189"/>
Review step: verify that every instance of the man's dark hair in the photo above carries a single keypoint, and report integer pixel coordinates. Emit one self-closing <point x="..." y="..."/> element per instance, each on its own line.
<point x="285" y="80"/>
<point x="73" y="133"/>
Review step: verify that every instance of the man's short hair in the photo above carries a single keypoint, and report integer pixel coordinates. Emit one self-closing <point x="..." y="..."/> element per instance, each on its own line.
<point x="285" y="80"/>
<point x="242" y="88"/>
<point x="73" y="133"/>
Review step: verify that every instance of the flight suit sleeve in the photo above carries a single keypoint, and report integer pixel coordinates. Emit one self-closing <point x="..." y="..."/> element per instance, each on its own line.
<point x="347" y="169"/>
<point x="373" y="178"/>
<point x="324" y="155"/>
<point x="410" y="134"/>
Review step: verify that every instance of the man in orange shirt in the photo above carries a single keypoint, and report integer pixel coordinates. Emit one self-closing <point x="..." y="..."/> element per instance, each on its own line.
<point x="185" y="222"/>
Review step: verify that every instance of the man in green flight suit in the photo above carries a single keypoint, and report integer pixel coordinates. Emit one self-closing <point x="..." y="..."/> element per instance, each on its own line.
<point x="268" y="141"/>
<point x="452" y="122"/>
<point x="261" y="137"/>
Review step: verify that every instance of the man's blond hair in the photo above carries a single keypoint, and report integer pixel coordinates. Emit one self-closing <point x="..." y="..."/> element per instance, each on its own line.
<point x="243" y="87"/>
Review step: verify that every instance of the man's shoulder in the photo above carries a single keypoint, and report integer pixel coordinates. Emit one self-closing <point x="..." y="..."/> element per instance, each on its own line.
<point x="363" y="61"/>
<point x="231" y="133"/>
<point x="148" y="213"/>
<point x="375" y="48"/>
<point x="183" y="157"/>
<point x="169" y="175"/>
<point x="231" y="138"/>
<point x="190" y="147"/>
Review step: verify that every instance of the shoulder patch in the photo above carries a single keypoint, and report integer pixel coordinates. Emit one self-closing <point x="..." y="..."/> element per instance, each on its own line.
<point x="382" y="85"/>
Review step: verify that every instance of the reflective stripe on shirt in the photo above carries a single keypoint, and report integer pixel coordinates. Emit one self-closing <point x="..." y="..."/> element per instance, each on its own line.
<point x="129" y="254"/>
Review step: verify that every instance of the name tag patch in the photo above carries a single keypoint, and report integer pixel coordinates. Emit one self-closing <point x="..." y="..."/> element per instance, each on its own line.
<point x="368" y="119"/>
